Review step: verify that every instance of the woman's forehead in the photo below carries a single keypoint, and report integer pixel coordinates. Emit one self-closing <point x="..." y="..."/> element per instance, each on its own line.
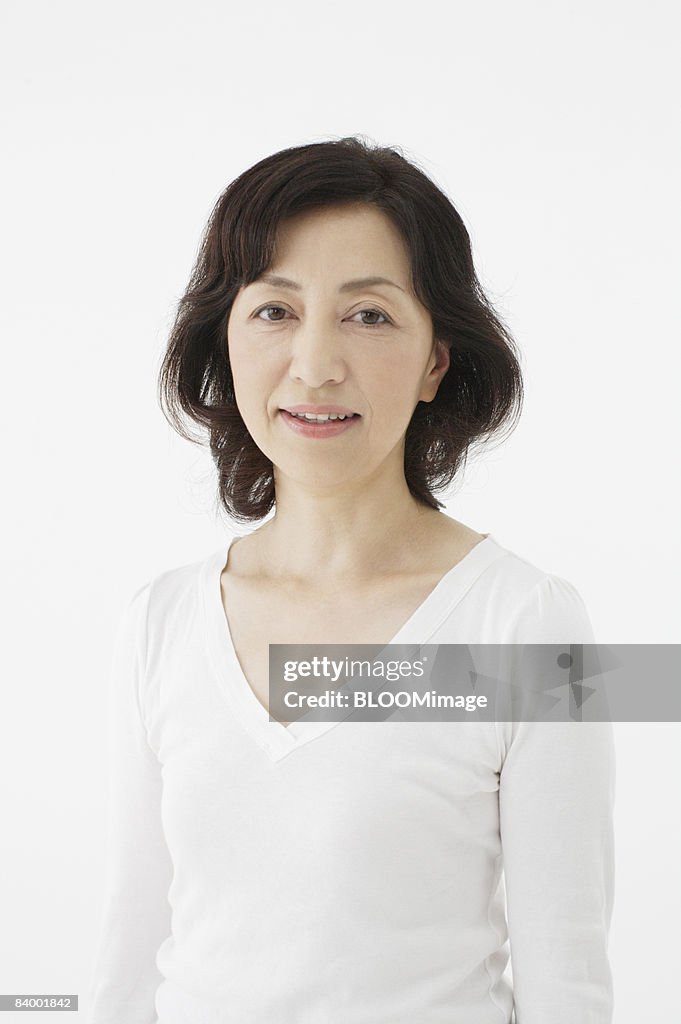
<point x="352" y="251"/>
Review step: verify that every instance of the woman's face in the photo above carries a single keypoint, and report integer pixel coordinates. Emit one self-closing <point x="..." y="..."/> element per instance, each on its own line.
<point x="323" y="340"/>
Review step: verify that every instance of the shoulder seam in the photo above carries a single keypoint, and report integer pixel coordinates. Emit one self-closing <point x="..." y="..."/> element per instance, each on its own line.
<point x="144" y="641"/>
<point x="143" y="679"/>
<point x="519" y="609"/>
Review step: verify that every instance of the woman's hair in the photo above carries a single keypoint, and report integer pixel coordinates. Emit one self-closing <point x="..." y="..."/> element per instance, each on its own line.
<point x="481" y="391"/>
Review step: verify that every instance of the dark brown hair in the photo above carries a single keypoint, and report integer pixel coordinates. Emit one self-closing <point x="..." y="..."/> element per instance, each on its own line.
<point x="482" y="389"/>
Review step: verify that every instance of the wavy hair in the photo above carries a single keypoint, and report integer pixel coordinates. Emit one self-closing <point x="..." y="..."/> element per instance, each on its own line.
<point x="481" y="392"/>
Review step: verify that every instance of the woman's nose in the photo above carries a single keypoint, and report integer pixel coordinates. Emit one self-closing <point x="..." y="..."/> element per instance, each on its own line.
<point x="316" y="352"/>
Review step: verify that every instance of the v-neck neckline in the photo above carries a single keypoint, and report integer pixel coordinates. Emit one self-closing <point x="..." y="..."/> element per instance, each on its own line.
<point x="276" y="739"/>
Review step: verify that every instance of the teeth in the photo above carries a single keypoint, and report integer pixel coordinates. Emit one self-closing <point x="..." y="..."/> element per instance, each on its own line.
<point x="319" y="419"/>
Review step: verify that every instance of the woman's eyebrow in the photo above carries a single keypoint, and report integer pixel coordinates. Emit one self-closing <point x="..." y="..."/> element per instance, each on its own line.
<point x="358" y="282"/>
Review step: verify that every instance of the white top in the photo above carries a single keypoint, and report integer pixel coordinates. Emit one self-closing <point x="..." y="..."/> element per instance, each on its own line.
<point x="347" y="872"/>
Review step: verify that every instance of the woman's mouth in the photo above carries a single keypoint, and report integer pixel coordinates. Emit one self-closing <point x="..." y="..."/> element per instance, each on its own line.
<point x="318" y="426"/>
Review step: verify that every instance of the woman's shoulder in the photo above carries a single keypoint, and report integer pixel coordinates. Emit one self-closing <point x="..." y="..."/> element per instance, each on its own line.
<point x="172" y="591"/>
<point x="534" y="604"/>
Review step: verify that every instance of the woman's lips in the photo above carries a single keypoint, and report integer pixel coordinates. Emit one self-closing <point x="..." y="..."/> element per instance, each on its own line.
<point x="306" y="428"/>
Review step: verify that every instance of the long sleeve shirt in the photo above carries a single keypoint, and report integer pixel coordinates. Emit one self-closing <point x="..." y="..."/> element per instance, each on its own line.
<point x="350" y="872"/>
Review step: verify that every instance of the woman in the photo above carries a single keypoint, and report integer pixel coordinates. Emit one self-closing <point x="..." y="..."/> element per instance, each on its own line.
<point x="338" y="872"/>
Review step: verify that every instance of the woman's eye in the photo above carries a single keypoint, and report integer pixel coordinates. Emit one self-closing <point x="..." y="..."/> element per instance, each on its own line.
<point x="263" y="309"/>
<point x="373" y="312"/>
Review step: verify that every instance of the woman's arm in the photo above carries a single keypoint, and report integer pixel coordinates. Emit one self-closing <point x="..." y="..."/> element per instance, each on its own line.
<point x="556" y="800"/>
<point x="138" y="869"/>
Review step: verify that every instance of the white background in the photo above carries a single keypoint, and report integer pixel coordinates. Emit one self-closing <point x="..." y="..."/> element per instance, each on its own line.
<point x="551" y="128"/>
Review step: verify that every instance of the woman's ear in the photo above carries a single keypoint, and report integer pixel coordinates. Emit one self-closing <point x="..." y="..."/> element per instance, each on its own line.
<point x="438" y="364"/>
